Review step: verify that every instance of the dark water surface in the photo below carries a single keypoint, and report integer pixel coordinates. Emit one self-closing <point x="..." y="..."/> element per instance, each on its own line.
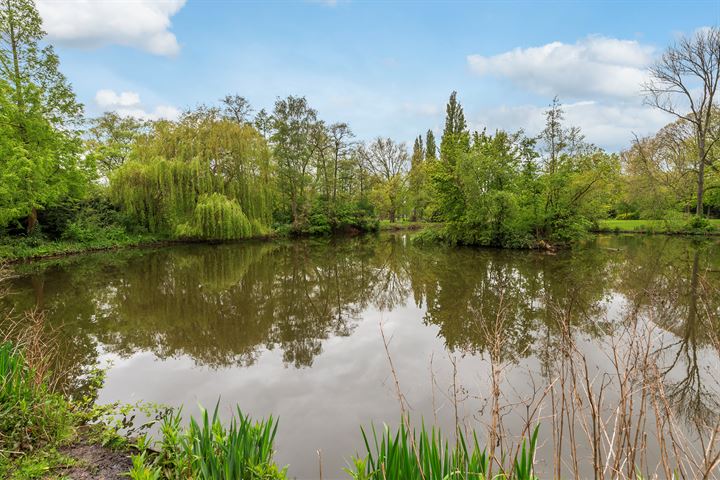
<point x="293" y="329"/>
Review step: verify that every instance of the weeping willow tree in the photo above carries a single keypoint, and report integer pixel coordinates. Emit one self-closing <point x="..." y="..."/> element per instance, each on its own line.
<point x="203" y="176"/>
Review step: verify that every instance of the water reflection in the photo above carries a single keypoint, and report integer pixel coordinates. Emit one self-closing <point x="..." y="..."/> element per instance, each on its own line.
<point x="227" y="306"/>
<point x="221" y="304"/>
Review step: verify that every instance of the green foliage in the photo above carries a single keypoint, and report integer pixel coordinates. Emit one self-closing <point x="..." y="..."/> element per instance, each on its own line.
<point x="217" y="217"/>
<point x="207" y="449"/>
<point x="30" y="415"/>
<point x="698" y="224"/>
<point x="111" y="139"/>
<point x="494" y="190"/>
<point x="204" y="176"/>
<point x="294" y="123"/>
<point x="427" y="455"/>
<point x="39" y="146"/>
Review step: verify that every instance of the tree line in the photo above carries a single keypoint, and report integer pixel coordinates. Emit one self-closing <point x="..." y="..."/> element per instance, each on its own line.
<point x="224" y="171"/>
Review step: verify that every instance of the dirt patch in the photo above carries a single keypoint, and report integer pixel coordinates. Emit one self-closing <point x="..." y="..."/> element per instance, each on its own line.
<point x="95" y="462"/>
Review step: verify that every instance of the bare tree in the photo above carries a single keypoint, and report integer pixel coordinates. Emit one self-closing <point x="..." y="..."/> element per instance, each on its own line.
<point x="388" y="162"/>
<point x="386" y="158"/>
<point x="237" y="108"/>
<point x="341" y="144"/>
<point x="684" y="83"/>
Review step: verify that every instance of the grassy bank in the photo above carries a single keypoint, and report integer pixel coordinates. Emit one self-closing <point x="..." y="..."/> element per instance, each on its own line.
<point x="706" y="227"/>
<point x="26" y="248"/>
<point x="46" y="434"/>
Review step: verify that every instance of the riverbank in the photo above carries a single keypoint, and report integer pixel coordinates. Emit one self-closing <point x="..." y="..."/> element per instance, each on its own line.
<point x="15" y="250"/>
<point x="22" y="249"/>
<point x="710" y="227"/>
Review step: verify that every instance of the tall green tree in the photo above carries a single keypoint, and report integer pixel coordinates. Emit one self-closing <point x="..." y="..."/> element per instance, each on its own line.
<point x="455" y="143"/>
<point x="456" y="137"/>
<point x="388" y="161"/>
<point x="111" y="138"/>
<point x="579" y="181"/>
<point x="43" y="168"/>
<point x="417" y="180"/>
<point x="430" y="146"/>
<point x="293" y="123"/>
<point x="203" y="176"/>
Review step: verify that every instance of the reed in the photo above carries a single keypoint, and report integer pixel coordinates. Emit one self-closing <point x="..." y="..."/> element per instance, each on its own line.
<point x="209" y="449"/>
<point x="426" y="455"/>
<point x="31" y="416"/>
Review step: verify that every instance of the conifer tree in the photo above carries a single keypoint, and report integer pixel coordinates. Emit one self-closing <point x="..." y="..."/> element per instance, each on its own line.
<point x="456" y="138"/>
<point x="430" y="146"/>
<point x="418" y="153"/>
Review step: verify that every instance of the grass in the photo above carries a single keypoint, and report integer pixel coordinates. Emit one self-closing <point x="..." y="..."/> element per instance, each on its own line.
<point x="33" y="420"/>
<point x="657" y="226"/>
<point x="388" y="226"/>
<point x="28" y="248"/>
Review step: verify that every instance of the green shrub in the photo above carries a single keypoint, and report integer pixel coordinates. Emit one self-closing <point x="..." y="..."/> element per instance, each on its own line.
<point x="674" y="221"/>
<point x="319" y="224"/>
<point x="698" y="224"/>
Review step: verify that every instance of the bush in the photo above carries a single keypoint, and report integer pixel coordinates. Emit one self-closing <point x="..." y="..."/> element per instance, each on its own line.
<point x="318" y="224"/>
<point x="698" y="224"/>
<point x="674" y="221"/>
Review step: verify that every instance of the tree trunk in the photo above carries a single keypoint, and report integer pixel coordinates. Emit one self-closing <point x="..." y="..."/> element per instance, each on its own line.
<point x="32" y="221"/>
<point x="699" y="210"/>
<point x="16" y="62"/>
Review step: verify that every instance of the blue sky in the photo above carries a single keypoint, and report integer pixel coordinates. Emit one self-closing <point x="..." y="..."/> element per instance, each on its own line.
<point x="386" y="68"/>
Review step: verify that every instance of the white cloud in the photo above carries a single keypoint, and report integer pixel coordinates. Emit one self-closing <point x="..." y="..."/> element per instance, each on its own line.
<point x="610" y="126"/>
<point x="109" y="98"/>
<point x="594" y="66"/>
<point x="128" y="104"/>
<point x="143" y="24"/>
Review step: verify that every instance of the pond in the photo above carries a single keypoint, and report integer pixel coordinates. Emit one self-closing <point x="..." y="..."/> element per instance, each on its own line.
<point x="487" y="339"/>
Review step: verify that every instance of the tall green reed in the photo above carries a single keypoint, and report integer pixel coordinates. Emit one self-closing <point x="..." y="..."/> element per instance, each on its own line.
<point x="30" y="414"/>
<point x="207" y="449"/>
<point x="409" y="455"/>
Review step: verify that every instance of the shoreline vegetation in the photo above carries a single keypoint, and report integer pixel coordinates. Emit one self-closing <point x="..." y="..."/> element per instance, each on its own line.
<point x="24" y="249"/>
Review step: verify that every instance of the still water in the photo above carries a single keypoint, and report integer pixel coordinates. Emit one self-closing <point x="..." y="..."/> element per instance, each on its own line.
<point x="293" y="329"/>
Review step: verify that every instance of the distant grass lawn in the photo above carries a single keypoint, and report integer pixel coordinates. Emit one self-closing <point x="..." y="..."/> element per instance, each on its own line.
<point x="386" y="225"/>
<point x="651" y="226"/>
